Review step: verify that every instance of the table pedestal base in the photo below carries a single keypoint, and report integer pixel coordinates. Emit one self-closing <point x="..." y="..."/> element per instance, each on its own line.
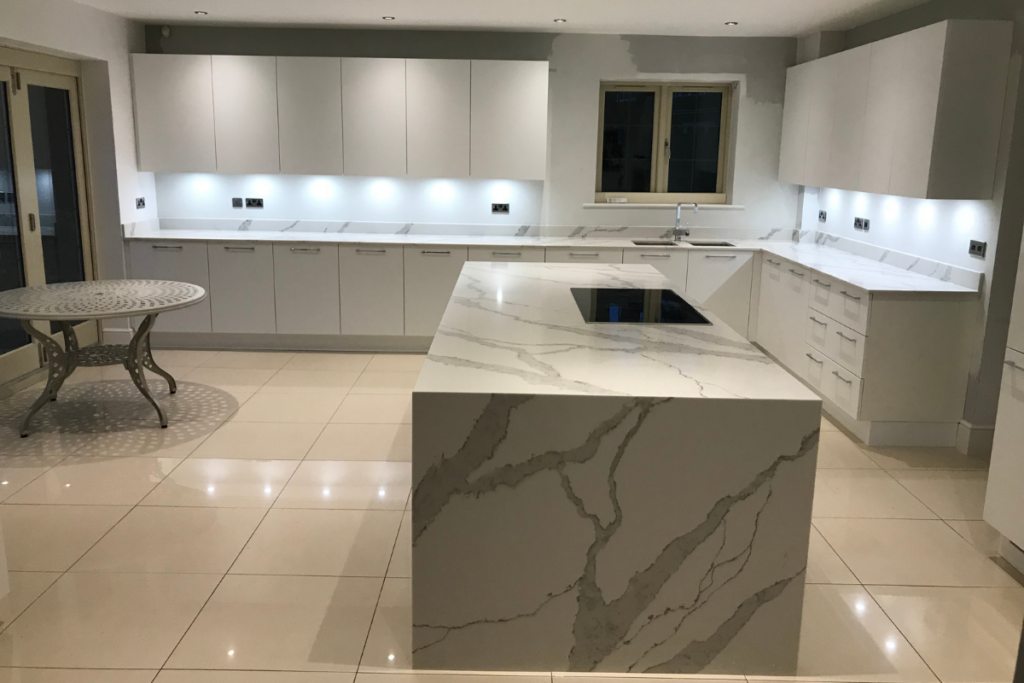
<point x="135" y="357"/>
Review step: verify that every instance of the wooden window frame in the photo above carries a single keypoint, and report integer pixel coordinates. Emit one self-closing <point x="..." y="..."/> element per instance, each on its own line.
<point x="661" y="139"/>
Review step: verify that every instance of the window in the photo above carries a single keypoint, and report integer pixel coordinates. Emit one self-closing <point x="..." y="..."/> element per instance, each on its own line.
<point x="663" y="142"/>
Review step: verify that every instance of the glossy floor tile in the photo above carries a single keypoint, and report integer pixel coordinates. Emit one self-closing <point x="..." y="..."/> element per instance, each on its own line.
<point x="385" y="382"/>
<point x="296" y="408"/>
<point x="13" y="479"/>
<point x="170" y="676"/>
<point x="75" y="676"/>
<point x="864" y="494"/>
<point x="836" y="450"/>
<point x="374" y="409"/>
<point x="273" y="360"/>
<point x="950" y="494"/>
<point x="342" y="485"/>
<point x="219" y="482"/>
<point x="95" y="480"/>
<point x="923" y="458"/>
<point x="22" y="589"/>
<point x="396" y="362"/>
<point x="823" y="564"/>
<point x="50" y="538"/>
<point x="343" y="362"/>
<point x="260" y="441"/>
<point x="323" y="382"/>
<point x="363" y="442"/>
<point x="979" y="534"/>
<point x="401" y="558"/>
<point x="389" y="645"/>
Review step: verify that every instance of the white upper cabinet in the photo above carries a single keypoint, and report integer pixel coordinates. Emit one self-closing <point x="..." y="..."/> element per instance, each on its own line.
<point x="174" y="112"/>
<point x="373" y="106"/>
<point x="437" y="109"/>
<point x="509" y="126"/>
<point x="925" y="123"/>
<point x="309" y="107"/>
<point x="245" y="113"/>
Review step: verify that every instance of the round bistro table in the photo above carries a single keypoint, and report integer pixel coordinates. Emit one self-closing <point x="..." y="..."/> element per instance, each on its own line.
<point x="97" y="300"/>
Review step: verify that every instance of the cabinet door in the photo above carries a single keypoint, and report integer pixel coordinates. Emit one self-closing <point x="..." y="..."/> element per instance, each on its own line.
<point x="309" y="106"/>
<point x="372" y="289"/>
<point x="794" y="294"/>
<point x="306" y="289"/>
<point x="854" y="68"/>
<point x="884" y="97"/>
<point x="1016" y="338"/>
<point x="178" y="262"/>
<point x="437" y="107"/>
<point x="509" y="123"/>
<point x="582" y="255"/>
<point x="916" y="116"/>
<point x="430" y="277"/>
<point x="245" y="112"/>
<point x="511" y="254"/>
<point x="721" y="280"/>
<point x="769" y="326"/>
<point x="820" y="120"/>
<point x="373" y="112"/>
<point x="242" y="288"/>
<point x="174" y="113"/>
<point x="1004" y="504"/>
<point x="673" y="264"/>
<point x="794" y="124"/>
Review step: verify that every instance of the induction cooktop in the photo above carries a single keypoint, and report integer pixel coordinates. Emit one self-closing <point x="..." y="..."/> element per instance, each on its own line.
<point x="652" y="306"/>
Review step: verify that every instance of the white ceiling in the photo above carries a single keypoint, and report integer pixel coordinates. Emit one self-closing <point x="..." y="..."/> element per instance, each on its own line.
<point x="652" y="17"/>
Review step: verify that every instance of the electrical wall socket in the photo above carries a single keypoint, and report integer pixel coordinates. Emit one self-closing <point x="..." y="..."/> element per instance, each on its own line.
<point x="862" y="224"/>
<point x="140" y="203"/>
<point x="254" y="202"/>
<point x="823" y="216"/>
<point x="978" y="248"/>
<point x="500" y="208"/>
<point x="237" y="203"/>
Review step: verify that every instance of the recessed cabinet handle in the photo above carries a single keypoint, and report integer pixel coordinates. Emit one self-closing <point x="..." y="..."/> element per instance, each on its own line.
<point x="580" y="254"/>
<point x="836" y="373"/>
<point x="849" y="339"/>
<point x="725" y="256"/>
<point x="815" y="320"/>
<point x="1013" y="365"/>
<point x="821" y="284"/>
<point x="305" y="250"/>
<point x="655" y="255"/>
<point x="371" y="251"/>
<point x="774" y="263"/>
<point x="849" y="296"/>
<point x="797" y="272"/>
<point x="436" y="253"/>
<point x="240" y="249"/>
<point x="167" y="247"/>
<point x="819" y="362"/>
<point x="507" y="253"/>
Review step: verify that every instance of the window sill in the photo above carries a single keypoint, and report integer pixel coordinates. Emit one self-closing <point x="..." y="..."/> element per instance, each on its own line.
<point x="702" y="207"/>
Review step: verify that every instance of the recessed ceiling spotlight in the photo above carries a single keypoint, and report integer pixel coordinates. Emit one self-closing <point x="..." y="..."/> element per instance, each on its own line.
<point x="201" y="12"/>
<point x="388" y="18"/>
<point x="732" y="23"/>
<point x="561" y="21"/>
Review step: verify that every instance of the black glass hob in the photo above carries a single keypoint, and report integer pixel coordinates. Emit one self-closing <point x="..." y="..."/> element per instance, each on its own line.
<point x="653" y="306"/>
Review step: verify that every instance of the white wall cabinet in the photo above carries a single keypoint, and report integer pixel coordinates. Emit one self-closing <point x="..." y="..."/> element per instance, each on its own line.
<point x="242" y="288"/>
<point x="430" y="277"/>
<point x="509" y="126"/>
<point x="306" y="289"/>
<point x="374" y="121"/>
<point x="437" y="111"/>
<point x="178" y="262"/>
<point x="919" y="115"/>
<point x="372" y="289"/>
<point x="721" y="281"/>
<point x="309" y="107"/>
<point x="174" y="126"/>
<point x="245" y="114"/>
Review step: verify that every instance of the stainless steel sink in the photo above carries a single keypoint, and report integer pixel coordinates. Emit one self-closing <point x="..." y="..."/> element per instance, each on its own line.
<point x="709" y="243"/>
<point x="655" y="243"/>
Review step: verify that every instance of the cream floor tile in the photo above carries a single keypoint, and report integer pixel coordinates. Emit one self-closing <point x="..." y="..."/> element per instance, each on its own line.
<point x="106" y="621"/>
<point x="482" y="677"/>
<point x="328" y="382"/>
<point x="397" y="362"/>
<point x="401" y="559"/>
<point x="389" y="645"/>
<point x="342" y="485"/>
<point x="261" y="360"/>
<point x="964" y="634"/>
<point x="50" y="538"/>
<point x="258" y="441"/>
<point x="344" y="362"/>
<point x="223" y="483"/>
<point x="363" y="442"/>
<point x="838" y="451"/>
<point x="75" y="676"/>
<point x="846" y="636"/>
<point x="24" y="588"/>
<point x="13" y="479"/>
<point x="564" y="677"/>
<point x="144" y="438"/>
<point x="230" y="377"/>
<point x="275" y="623"/>
<point x="297" y="408"/>
<point x="924" y="458"/>
<point x="905" y="552"/>
<point x="173" y="541"/>
<point x="385" y="383"/>
<point x="374" y="409"/>
<point x="94" y="480"/>
<point x="40" y="448"/>
<point x="321" y="543"/>
<point x="168" y="676"/>
<point x="182" y="358"/>
<point x="979" y="534"/>
<point x="827" y="425"/>
<point x="951" y="495"/>
<point x="823" y="564"/>
<point x="864" y="494"/>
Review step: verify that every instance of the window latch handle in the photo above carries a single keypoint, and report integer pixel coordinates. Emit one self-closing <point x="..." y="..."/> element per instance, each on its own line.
<point x="668" y="150"/>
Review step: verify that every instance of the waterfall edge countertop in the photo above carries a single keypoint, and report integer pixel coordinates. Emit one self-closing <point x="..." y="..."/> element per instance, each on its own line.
<point x="858" y="271"/>
<point x="515" y="328"/>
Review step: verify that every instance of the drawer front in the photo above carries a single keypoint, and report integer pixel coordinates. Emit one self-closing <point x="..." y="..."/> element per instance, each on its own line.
<point x="582" y="255"/>
<point x="510" y="254"/>
<point x="823" y="290"/>
<point x="849" y="305"/>
<point x="818" y="330"/>
<point x="815" y="372"/>
<point x="846" y="347"/>
<point x="306" y="288"/>
<point x="179" y="262"/>
<point x="242" y="288"/>
<point x="372" y="289"/>
<point x="842" y="387"/>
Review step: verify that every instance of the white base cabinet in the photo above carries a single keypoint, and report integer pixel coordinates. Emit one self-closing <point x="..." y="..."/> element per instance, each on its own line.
<point x="180" y="262"/>
<point x="720" y="281"/>
<point x="242" y="288"/>
<point x="430" y="277"/>
<point x="1004" y="502"/>
<point x="671" y="264"/>
<point x="583" y="255"/>
<point x="507" y="254"/>
<point x="306" y="289"/>
<point x="372" y="289"/>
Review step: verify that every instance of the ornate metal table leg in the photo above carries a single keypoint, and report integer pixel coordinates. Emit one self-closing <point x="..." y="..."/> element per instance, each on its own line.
<point x="56" y="373"/>
<point x="136" y="360"/>
<point x="150" y="364"/>
<point x="71" y="357"/>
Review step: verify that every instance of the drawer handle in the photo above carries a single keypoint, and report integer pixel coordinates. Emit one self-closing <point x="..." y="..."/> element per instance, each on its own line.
<point x="436" y="253"/>
<point x="821" y="284"/>
<point x="248" y="249"/>
<point x="167" y="247"/>
<point x="371" y="251"/>
<point x="815" y="320"/>
<point x="797" y="272"/>
<point x="581" y="254"/>
<point x="848" y="381"/>
<point x="1013" y="365"/>
<point x="849" y="296"/>
<point x="849" y="339"/>
<point x="819" y="362"/>
<point x="774" y="263"/>
<point x="655" y="255"/>
<point x="305" y="250"/>
<point x="725" y="256"/>
<point x="515" y="254"/>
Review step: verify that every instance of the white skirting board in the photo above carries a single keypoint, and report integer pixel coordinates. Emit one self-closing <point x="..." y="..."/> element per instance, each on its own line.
<point x="1012" y="554"/>
<point x="288" y="342"/>
<point x="975" y="440"/>
<point x="117" y="335"/>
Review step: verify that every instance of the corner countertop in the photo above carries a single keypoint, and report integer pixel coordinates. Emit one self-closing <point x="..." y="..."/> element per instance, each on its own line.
<point x="514" y="328"/>
<point x="858" y="271"/>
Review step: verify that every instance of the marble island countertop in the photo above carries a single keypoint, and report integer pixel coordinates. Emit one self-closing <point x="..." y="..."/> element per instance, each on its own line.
<point x="516" y="329"/>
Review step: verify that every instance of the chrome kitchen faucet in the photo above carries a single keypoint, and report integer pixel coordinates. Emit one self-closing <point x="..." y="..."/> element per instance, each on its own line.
<point x="680" y="232"/>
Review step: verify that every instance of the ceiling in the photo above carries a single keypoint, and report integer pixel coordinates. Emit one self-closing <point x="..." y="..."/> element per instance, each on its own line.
<point x="652" y="17"/>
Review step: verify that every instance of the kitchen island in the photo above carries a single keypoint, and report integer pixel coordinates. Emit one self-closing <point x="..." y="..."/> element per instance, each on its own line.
<point x="604" y="496"/>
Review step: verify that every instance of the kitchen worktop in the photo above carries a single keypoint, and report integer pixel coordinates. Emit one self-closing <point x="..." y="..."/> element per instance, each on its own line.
<point x="515" y="328"/>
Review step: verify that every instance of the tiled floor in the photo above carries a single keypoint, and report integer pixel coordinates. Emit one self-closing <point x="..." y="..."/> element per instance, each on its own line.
<point x="265" y="538"/>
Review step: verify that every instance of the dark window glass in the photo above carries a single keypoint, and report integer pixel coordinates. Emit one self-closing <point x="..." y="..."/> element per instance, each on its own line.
<point x="12" y="268"/>
<point x="695" y="140"/>
<point x="628" y="141"/>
